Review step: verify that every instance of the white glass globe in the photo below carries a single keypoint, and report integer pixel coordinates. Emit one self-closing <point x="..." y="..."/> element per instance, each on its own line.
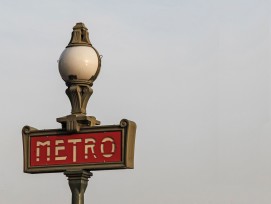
<point x="78" y="62"/>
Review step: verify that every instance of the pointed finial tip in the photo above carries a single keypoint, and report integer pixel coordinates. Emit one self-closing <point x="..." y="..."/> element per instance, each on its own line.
<point x="79" y="25"/>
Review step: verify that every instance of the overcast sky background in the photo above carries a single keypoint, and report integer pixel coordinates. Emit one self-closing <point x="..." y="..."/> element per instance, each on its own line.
<point x="194" y="76"/>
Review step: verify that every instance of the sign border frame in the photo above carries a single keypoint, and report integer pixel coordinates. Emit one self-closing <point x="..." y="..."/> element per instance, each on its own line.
<point x="128" y="132"/>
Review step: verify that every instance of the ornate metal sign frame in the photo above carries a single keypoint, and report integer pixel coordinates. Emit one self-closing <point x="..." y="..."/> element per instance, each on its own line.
<point x="127" y="128"/>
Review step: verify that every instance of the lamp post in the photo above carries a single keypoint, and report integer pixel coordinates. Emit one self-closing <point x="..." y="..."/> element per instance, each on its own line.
<point x="79" y="65"/>
<point x="81" y="145"/>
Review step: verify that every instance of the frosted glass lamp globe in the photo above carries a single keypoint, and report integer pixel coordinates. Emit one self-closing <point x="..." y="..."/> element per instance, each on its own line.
<point x="79" y="63"/>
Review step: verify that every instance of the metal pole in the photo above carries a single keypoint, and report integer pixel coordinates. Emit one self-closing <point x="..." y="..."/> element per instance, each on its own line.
<point x="78" y="181"/>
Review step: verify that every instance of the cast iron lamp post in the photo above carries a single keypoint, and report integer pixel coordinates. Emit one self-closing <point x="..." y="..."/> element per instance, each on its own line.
<point x="80" y="146"/>
<point x="79" y="66"/>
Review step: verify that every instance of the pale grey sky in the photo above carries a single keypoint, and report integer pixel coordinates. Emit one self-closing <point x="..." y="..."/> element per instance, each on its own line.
<point x="194" y="75"/>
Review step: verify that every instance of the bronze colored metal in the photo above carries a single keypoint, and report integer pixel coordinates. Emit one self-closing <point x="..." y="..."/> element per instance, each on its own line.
<point x="80" y="36"/>
<point x="79" y="95"/>
<point x="74" y="122"/>
<point x="78" y="181"/>
<point x="127" y="127"/>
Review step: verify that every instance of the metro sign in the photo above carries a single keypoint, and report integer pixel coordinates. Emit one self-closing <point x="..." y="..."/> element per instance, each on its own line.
<point x="93" y="148"/>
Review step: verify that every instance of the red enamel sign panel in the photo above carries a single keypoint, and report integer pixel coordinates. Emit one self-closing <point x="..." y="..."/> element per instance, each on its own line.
<point x="76" y="149"/>
<point x="94" y="148"/>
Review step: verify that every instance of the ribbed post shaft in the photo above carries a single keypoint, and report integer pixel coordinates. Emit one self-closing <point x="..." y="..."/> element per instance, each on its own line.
<point x="78" y="181"/>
